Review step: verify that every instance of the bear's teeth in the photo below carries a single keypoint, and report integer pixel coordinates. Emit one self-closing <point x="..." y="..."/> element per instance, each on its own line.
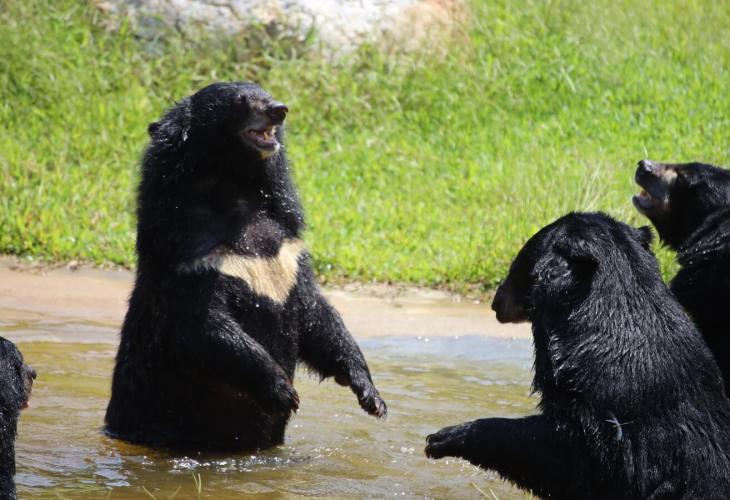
<point x="266" y="135"/>
<point x="646" y="194"/>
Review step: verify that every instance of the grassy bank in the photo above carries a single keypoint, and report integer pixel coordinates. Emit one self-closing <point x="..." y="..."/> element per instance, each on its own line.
<point x="412" y="169"/>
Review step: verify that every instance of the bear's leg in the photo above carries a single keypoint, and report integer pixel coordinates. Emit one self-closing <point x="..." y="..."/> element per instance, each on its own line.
<point x="217" y="345"/>
<point x="526" y="451"/>
<point x="328" y="348"/>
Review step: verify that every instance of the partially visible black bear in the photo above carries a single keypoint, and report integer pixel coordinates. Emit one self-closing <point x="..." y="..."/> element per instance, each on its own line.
<point x="17" y="382"/>
<point x="689" y="204"/>
<point x="632" y="403"/>
<point x="225" y="302"/>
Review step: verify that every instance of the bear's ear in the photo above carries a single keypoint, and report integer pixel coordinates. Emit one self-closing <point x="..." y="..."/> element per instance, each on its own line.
<point x="152" y="128"/>
<point x="581" y="256"/>
<point x="169" y="132"/>
<point x="565" y="271"/>
<point x="174" y="128"/>
<point x="645" y="236"/>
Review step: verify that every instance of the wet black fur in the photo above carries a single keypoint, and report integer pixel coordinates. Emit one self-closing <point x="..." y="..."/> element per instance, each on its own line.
<point x="697" y="226"/>
<point x="632" y="403"/>
<point x="699" y="191"/>
<point x="203" y="360"/>
<point x="14" y="392"/>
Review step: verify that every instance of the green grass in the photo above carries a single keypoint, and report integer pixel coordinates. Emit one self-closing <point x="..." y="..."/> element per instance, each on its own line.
<point x="417" y="169"/>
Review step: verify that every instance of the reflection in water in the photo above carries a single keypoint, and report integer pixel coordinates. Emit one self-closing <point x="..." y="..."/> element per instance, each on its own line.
<point x="332" y="449"/>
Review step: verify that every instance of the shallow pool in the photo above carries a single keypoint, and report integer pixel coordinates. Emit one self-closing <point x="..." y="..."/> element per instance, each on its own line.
<point x="332" y="449"/>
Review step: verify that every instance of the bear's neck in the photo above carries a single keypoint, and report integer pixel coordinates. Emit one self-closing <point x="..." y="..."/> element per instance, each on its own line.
<point x="268" y="181"/>
<point x="710" y="241"/>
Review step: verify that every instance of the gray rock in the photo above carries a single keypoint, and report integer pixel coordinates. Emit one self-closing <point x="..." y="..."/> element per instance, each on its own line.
<point x="334" y="26"/>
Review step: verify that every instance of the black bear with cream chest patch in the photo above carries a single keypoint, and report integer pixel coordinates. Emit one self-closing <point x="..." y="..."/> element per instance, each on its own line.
<point x="225" y="303"/>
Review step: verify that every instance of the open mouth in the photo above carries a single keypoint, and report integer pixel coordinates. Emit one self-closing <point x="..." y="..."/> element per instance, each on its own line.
<point x="264" y="139"/>
<point x="648" y="203"/>
<point x="655" y="181"/>
<point x="644" y="200"/>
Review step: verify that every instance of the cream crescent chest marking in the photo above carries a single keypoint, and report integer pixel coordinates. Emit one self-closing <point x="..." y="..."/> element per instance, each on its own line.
<point x="272" y="277"/>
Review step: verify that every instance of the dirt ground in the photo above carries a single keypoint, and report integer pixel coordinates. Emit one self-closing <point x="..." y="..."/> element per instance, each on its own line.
<point x="100" y="295"/>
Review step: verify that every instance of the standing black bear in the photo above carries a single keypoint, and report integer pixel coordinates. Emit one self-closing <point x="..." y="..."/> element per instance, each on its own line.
<point x="632" y="403"/>
<point x="689" y="204"/>
<point x="17" y="382"/>
<point x="225" y="301"/>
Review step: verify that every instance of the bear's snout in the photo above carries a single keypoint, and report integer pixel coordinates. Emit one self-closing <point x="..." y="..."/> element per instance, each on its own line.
<point x="646" y="168"/>
<point x="30" y="372"/>
<point x="646" y="165"/>
<point x="647" y="171"/>
<point x="507" y="308"/>
<point x="277" y="111"/>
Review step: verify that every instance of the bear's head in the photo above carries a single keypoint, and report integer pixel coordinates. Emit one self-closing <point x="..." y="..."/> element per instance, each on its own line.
<point x="559" y="263"/>
<point x="224" y="115"/>
<point x="678" y="197"/>
<point x="17" y="379"/>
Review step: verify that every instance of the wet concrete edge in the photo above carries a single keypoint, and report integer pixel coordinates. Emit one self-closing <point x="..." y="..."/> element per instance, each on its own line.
<point x="92" y="295"/>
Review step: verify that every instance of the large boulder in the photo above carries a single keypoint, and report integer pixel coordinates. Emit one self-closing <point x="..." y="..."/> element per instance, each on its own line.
<point x="333" y="26"/>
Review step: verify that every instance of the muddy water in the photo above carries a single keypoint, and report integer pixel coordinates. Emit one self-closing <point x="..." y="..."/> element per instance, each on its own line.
<point x="332" y="448"/>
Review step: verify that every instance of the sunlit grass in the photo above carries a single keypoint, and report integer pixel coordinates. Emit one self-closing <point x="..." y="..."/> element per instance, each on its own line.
<point x="418" y="169"/>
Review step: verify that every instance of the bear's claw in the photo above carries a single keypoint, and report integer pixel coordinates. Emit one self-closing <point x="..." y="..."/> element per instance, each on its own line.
<point x="373" y="404"/>
<point x="445" y="442"/>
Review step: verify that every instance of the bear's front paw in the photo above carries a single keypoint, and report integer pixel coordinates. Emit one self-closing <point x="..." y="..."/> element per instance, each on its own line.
<point x="448" y="442"/>
<point x="371" y="402"/>
<point x="280" y="396"/>
<point x="288" y="398"/>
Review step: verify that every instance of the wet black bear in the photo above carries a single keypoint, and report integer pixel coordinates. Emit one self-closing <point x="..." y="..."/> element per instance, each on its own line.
<point x="17" y="382"/>
<point x="225" y="302"/>
<point x="689" y="204"/>
<point x="632" y="403"/>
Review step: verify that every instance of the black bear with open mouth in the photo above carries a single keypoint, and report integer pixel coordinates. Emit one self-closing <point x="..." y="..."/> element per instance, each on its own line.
<point x="225" y="303"/>
<point x="689" y="204"/>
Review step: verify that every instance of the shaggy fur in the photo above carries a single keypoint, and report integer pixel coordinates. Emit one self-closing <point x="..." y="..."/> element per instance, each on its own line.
<point x="225" y="302"/>
<point x="689" y="204"/>
<point x="15" y="392"/>
<point x="632" y="403"/>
